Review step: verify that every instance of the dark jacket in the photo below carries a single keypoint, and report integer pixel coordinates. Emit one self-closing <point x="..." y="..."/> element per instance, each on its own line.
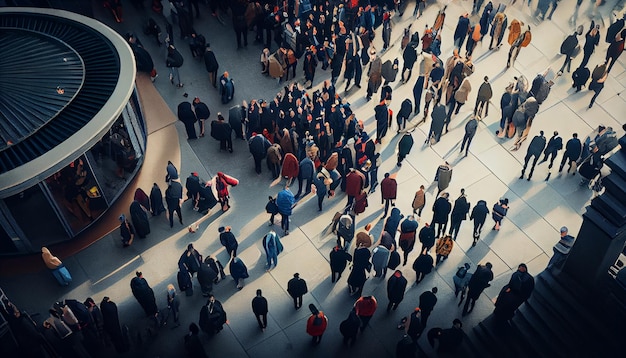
<point x="441" y="210"/>
<point x="389" y="188"/>
<point x="258" y="146"/>
<point x="202" y="110"/>
<point x="395" y="288"/>
<point x="423" y="263"/>
<point x="537" y="145"/>
<point x="405" y="145"/>
<point x="480" y="211"/>
<point x="554" y="144"/>
<point x="427" y="236"/>
<point x="339" y="259"/>
<point x="297" y="287"/>
<point x="428" y="300"/>
<point x="461" y="208"/>
<point x="210" y="62"/>
<point x="228" y="240"/>
<point x="174" y="59"/>
<point x="259" y="305"/>
<point x="573" y="148"/>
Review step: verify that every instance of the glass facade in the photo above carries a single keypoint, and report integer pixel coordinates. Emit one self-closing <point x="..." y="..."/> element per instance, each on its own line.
<point x="72" y="199"/>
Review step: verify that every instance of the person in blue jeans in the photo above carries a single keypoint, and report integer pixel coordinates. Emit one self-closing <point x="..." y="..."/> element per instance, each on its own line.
<point x="271" y="246"/>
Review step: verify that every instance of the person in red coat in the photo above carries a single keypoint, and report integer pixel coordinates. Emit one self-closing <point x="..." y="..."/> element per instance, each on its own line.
<point x="316" y="324"/>
<point x="291" y="167"/>
<point x="389" y="190"/>
<point x="365" y="307"/>
<point x="222" y="181"/>
<point x="355" y="182"/>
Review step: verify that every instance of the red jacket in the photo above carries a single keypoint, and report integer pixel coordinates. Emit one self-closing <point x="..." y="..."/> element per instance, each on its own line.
<point x="316" y="330"/>
<point x="389" y="188"/>
<point x="355" y="180"/>
<point x="366" y="306"/>
<point x="291" y="166"/>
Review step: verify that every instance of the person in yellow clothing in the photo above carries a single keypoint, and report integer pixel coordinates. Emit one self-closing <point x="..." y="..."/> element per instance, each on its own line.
<point x="443" y="248"/>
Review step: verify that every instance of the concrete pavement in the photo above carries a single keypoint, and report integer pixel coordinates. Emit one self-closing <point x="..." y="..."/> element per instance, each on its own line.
<point x="537" y="208"/>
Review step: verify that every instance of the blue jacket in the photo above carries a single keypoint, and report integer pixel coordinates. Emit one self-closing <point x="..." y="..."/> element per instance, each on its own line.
<point x="307" y="169"/>
<point x="285" y="201"/>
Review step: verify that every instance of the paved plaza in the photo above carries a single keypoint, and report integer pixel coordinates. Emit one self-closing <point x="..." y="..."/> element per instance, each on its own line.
<point x="538" y="208"/>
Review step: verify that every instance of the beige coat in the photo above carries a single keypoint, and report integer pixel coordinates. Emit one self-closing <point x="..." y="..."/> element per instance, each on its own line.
<point x="52" y="262"/>
<point x="463" y="92"/>
<point x="420" y="199"/>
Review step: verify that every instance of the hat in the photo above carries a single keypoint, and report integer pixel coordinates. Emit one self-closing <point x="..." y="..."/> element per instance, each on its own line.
<point x="122" y="218"/>
<point x="221" y="229"/>
<point x="564" y="229"/>
<point x="195" y="174"/>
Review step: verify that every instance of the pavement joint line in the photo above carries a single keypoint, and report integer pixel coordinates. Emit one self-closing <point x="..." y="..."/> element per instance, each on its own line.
<point x="117" y="270"/>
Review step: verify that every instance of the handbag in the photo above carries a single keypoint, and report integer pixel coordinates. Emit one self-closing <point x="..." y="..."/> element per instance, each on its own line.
<point x="65" y="274"/>
<point x="499" y="209"/>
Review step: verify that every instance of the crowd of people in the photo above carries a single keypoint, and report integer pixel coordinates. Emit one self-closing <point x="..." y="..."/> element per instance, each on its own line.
<point x="317" y="139"/>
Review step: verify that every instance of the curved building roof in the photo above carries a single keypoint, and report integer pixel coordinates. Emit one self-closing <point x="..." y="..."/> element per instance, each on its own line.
<point x="64" y="79"/>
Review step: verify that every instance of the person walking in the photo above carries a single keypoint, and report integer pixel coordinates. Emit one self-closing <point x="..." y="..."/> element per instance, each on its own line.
<point x="388" y="191"/>
<point x="536" y="146"/>
<point x="479" y="215"/>
<point x="212" y="316"/>
<point x="380" y="260"/>
<point x="296" y="287"/>
<point x="441" y="212"/>
<point x="615" y="50"/>
<point x="365" y="307"/>
<point x="573" y="151"/>
<point x="413" y="326"/>
<point x="306" y="172"/>
<point x="427" y="238"/>
<point x="561" y="249"/>
<point x="339" y="259"/>
<point x="111" y="321"/>
<point x="597" y="82"/>
<point x="238" y="271"/>
<point x="482" y="99"/>
<point x="450" y="339"/>
<point x="202" y="114"/>
<point x="517" y="39"/>
<point x="211" y="65"/>
<point x="554" y="145"/>
<point x="443" y="249"/>
<point x="258" y="146"/>
<point x="55" y="265"/>
<point x="361" y="263"/>
<point x="443" y="177"/>
<point x="272" y="247"/>
<point x="423" y="265"/>
<point x="408" y="230"/>
<point x="206" y="278"/>
<point x="516" y="292"/>
<point x="461" y="279"/>
<point x="188" y="117"/>
<point x="174" y="199"/>
<point x="193" y="345"/>
<point x="174" y="61"/>
<point x="190" y="259"/>
<point x="499" y="211"/>
<point x="459" y="214"/>
<point x="478" y="282"/>
<point x="260" y="309"/>
<point x="349" y="328"/>
<point x="173" y="305"/>
<point x="374" y="73"/>
<point x="568" y="48"/>
<point x="592" y="39"/>
<point x="419" y="201"/>
<point x="144" y="294"/>
<point x="404" y="147"/>
<point x="285" y="201"/>
<point x="228" y="240"/>
<point x="395" y="290"/>
<point x="470" y="130"/>
<point x="427" y="302"/>
<point x="316" y="324"/>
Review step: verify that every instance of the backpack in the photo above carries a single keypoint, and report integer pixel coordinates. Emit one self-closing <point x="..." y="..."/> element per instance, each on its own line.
<point x="580" y="76"/>
<point x="569" y="44"/>
<point x="394" y="260"/>
<point x="461" y="272"/>
<point x="514" y="31"/>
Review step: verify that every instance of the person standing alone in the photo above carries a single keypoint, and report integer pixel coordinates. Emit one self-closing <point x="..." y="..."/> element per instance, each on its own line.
<point x="259" y="307"/>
